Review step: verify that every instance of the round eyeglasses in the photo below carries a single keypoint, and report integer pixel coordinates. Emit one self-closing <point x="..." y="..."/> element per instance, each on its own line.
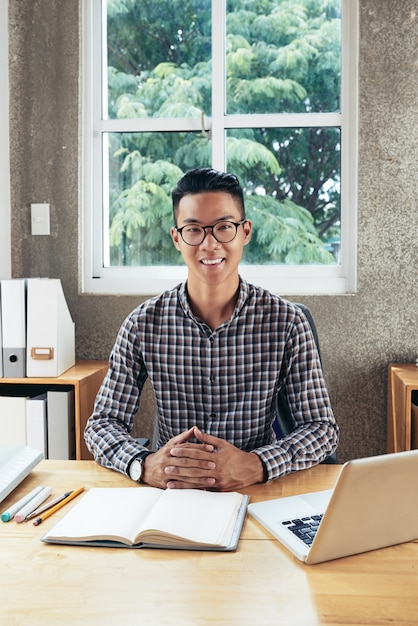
<point x="223" y="231"/>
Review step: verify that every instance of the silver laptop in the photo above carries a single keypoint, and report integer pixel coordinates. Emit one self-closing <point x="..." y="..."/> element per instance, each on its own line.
<point x="374" y="504"/>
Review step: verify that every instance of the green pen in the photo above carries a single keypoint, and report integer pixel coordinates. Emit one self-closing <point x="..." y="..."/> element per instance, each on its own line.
<point x="11" y="512"/>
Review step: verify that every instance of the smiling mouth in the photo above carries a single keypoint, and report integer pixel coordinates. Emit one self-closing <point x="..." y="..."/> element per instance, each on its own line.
<point x="212" y="261"/>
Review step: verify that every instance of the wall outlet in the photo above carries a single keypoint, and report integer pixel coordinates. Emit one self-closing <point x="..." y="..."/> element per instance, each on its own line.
<point x="40" y="219"/>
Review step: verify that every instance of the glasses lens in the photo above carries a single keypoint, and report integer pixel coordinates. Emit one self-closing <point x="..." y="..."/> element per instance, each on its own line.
<point x="193" y="234"/>
<point x="224" y="231"/>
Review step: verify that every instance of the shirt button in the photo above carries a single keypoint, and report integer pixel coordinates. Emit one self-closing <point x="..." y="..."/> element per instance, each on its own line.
<point x="212" y="415"/>
<point x="212" y="379"/>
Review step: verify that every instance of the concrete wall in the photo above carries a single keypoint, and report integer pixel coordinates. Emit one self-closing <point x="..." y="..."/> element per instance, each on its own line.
<point x="360" y="334"/>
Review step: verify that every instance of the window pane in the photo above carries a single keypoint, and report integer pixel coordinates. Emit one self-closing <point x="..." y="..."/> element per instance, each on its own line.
<point x="158" y="58"/>
<point x="291" y="178"/>
<point x="259" y="98"/>
<point x="283" y="56"/>
<point x="143" y="170"/>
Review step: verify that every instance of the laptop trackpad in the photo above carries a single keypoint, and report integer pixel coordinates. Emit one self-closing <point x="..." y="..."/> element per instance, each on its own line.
<point x="302" y="505"/>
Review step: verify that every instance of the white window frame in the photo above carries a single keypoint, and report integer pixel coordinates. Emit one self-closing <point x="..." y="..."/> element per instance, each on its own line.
<point x="5" y="246"/>
<point x="284" y="279"/>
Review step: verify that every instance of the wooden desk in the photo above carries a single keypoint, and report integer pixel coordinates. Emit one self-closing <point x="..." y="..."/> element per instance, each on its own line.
<point x="259" y="584"/>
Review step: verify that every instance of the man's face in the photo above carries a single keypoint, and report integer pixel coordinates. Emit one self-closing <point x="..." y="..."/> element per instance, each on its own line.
<point x="211" y="262"/>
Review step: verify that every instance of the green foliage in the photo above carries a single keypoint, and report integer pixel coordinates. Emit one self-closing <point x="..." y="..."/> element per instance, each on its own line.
<point x="141" y="237"/>
<point x="283" y="233"/>
<point x="281" y="56"/>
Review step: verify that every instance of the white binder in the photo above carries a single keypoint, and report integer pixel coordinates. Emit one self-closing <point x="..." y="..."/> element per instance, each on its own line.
<point x="13" y="421"/>
<point x="50" y="329"/>
<point x="36" y="424"/>
<point x="1" y="341"/>
<point x="61" y="424"/>
<point x="13" y="313"/>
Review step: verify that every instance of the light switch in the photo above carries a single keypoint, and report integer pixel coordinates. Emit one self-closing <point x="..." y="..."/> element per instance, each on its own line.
<point x="40" y="219"/>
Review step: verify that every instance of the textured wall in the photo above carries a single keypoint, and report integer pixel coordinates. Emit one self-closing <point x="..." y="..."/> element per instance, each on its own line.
<point x="360" y="334"/>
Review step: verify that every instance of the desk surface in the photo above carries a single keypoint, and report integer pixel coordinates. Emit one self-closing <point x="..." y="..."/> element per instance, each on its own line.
<point x="260" y="583"/>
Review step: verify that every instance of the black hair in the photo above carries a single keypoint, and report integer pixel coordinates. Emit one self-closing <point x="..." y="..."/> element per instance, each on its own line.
<point x="203" y="179"/>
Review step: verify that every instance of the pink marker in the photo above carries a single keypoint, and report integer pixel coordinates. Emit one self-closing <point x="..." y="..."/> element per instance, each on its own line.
<point x="32" y="504"/>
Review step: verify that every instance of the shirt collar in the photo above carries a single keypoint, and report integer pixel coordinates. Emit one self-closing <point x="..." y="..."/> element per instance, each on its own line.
<point x="243" y="294"/>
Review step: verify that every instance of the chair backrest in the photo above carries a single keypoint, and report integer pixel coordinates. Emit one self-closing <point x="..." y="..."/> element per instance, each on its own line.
<point x="284" y="423"/>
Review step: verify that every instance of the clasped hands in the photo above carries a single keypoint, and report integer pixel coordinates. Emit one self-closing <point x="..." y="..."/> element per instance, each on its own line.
<point x="213" y="464"/>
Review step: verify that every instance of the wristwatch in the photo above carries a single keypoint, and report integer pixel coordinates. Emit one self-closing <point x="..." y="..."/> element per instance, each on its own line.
<point x="135" y="469"/>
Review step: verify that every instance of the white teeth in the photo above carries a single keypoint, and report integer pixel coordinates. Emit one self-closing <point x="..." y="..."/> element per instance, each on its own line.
<point x="211" y="261"/>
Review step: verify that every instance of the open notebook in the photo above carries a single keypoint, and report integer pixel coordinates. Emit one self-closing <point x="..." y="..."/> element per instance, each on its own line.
<point x="146" y="517"/>
<point x="374" y="504"/>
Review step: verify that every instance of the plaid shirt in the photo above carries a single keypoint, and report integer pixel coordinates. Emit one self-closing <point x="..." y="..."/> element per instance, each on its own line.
<point x="223" y="380"/>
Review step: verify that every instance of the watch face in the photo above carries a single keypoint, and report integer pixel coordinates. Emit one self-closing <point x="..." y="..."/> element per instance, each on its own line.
<point x="135" y="470"/>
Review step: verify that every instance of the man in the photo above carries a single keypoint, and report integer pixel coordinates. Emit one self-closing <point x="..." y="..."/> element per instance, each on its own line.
<point x="217" y="350"/>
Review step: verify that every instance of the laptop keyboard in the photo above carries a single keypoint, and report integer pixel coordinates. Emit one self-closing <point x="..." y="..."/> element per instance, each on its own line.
<point x="304" y="528"/>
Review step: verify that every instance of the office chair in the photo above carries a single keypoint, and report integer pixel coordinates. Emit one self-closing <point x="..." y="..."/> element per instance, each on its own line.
<point x="284" y="424"/>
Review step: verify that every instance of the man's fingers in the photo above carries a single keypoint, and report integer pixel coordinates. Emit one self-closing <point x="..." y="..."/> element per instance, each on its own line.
<point x="183" y="437"/>
<point x="196" y="484"/>
<point x="193" y="464"/>
<point x="192" y="451"/>
<point x="205" y="438"/>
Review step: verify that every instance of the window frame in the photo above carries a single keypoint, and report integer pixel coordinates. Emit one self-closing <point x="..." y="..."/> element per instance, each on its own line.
<point x="150" y="280"/>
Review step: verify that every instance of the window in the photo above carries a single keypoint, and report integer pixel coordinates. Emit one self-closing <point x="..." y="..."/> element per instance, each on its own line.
<point x="265" y="90"/>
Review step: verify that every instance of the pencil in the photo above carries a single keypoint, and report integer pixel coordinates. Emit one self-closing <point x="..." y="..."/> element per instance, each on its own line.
<point x="48" y="505"/>
<point x="72" y="495"/>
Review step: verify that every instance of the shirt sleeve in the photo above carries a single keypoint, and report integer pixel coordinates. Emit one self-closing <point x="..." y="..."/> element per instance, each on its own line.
<point x="107" y="432"/>
<point x="316" y="432"/>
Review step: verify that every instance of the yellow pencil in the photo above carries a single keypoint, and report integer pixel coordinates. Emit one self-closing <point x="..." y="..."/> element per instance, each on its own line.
<point x="52" y="510"/>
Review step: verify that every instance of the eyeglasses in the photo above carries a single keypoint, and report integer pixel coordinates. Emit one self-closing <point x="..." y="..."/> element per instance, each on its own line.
<point x="223" y="231"/>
